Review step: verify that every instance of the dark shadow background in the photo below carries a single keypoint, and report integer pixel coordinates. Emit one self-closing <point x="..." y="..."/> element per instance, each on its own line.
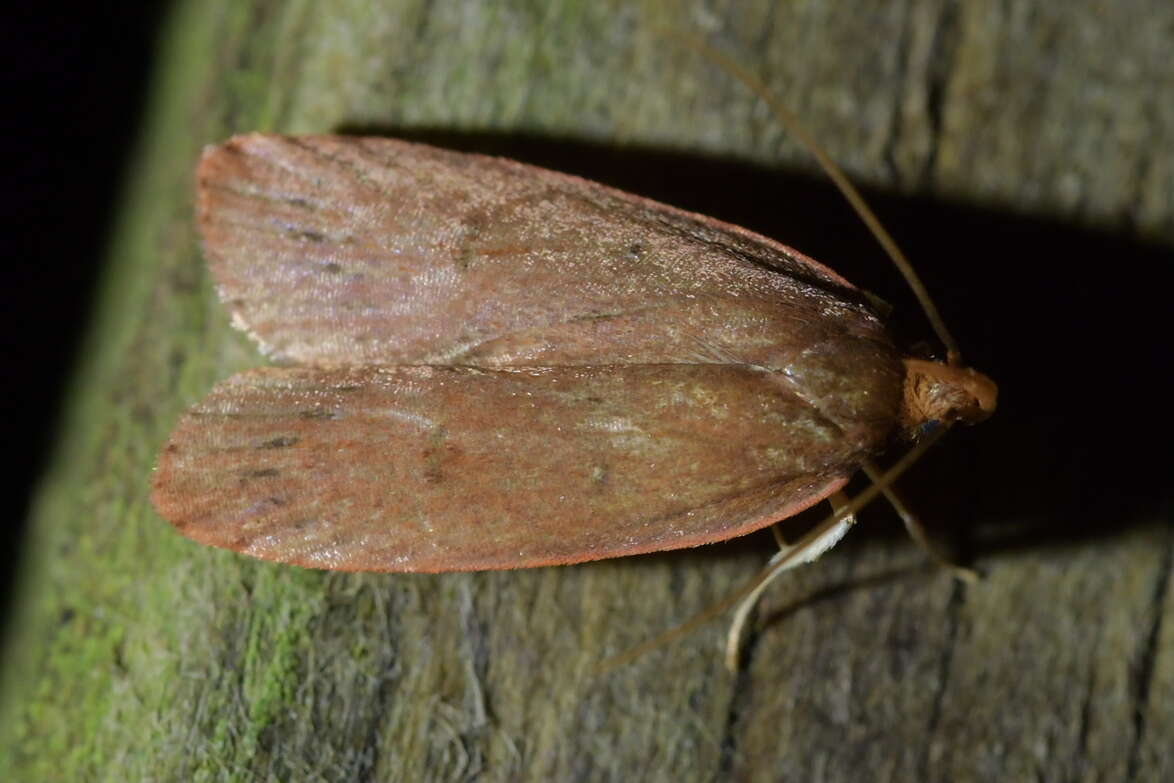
<point x="74" y="82"/>
<point x="1073" y="322"/>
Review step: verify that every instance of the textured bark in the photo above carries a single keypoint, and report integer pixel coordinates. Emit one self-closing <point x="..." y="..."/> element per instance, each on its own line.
<point x="1023" y="151"/>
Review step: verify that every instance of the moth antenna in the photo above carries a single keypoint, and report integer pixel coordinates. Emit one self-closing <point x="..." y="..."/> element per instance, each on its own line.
<point x="838" y="178"/>
<point x="979" y="387"/>
<point x="804" y="550"/>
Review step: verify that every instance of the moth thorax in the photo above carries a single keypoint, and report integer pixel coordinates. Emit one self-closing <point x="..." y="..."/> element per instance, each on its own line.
<point x="944" y="394"/>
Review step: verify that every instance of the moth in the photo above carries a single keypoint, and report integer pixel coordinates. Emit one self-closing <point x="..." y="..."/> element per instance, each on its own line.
<point x="482" y="364"/>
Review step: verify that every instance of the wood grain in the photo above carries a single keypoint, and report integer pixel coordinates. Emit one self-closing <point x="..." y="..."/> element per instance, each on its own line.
<point x="1022" y="151"/>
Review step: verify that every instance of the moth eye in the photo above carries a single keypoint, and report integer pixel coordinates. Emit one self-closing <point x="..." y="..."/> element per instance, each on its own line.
<point x="928" y="428"/>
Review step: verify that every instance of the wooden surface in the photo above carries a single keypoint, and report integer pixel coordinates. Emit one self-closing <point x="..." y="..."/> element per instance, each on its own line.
<point x="1023" y="151"/>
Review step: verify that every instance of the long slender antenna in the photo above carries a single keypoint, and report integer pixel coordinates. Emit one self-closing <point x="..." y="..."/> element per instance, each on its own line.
<point x="849" y="191"/>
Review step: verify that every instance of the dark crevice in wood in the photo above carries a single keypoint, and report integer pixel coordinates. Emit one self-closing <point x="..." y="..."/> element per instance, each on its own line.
<point x="1087" y="707"/>
<point x="739" y="699"/>
<point x="945" y="665"/>
<point x="941" y="70"/>
<point x="1147" y="660"/>
<point x="901" y="90"/>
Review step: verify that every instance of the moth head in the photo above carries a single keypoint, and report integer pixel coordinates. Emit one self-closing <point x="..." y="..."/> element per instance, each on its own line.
<point x="939" y="393"/>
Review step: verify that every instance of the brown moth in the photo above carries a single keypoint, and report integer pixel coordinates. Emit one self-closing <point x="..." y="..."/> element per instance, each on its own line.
<point x="491" y="365"/>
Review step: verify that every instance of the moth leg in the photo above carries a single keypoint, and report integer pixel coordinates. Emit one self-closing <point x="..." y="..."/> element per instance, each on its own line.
<point x="814" y="543"/>
<point x="776" y="530"/>
<point x="915" y="528"/>
<point x="809" y="552"/>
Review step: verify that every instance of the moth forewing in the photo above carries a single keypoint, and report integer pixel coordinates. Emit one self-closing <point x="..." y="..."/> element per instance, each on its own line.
<point x="499" y="366"/>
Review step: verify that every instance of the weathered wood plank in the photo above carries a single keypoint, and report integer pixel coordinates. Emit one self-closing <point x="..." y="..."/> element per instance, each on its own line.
<point x="1022" y="149"/>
